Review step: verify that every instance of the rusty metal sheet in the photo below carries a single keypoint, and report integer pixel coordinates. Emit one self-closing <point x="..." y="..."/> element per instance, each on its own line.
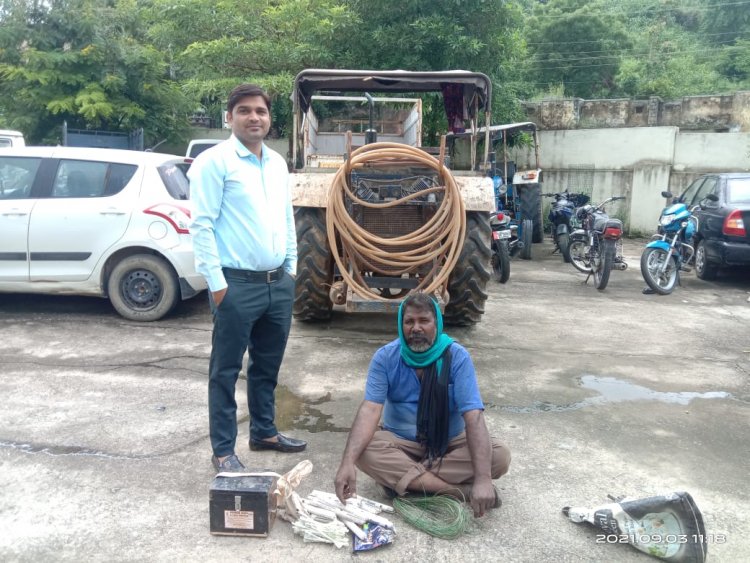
<point x="477" y="192"/>
<point x="357" y="304"/>
<point x="310" y="189"/>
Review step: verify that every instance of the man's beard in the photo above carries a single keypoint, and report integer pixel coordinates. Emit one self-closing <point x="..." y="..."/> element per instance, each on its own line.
<point x="419" y="344"/>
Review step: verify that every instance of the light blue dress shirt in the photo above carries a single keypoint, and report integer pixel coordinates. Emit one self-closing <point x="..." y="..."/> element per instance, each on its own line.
<point x="242" y="212"/>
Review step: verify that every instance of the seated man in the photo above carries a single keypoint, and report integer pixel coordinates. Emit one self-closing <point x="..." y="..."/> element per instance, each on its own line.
<point x="433" y="437"/>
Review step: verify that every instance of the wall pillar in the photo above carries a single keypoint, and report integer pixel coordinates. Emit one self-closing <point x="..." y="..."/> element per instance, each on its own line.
<point x="649" y="180"/>
<point x="654" y="111"/>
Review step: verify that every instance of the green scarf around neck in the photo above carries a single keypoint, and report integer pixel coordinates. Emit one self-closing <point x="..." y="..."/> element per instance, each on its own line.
<point x="433" y="404"/>
<point x="423" y="359"/>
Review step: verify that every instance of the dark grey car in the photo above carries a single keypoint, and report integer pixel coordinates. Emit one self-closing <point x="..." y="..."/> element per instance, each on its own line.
<point x="722" y="239"/>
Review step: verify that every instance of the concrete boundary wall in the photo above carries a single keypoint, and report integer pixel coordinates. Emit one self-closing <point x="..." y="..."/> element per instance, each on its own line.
<point x="714" y="112"/>
<point x="707" y="152"/>
<point x="639" y="163"/>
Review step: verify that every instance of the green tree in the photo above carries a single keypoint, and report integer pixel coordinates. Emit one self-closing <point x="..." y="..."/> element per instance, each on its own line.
<point x="477" y="35"/>
<point x="577" y="43"/>
<point x="474" y="35"/>
<point x="735" y="62"/>
<point x="213" y="46"/>
<point x="671" y="56"/>
<point x="724" y="22"/>
<point x="84" y="61"/>
<point x="727" y="26"/>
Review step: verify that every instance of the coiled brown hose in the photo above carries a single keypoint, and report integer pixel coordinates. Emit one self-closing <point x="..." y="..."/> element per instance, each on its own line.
<point x="437" y="243"/>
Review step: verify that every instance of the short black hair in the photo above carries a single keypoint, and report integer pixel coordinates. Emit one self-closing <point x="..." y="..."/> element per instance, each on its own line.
<point x="245" y="90"/>
<point x="421" y="302"/>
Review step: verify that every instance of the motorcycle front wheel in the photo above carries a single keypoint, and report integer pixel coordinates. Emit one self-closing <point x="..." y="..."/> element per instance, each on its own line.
<point x="578" y="250"/>
<point x="501" y="262"/>
<point x="652" y="261"/>
<point x="602" y="263"/>
<point x="563" y="242"/>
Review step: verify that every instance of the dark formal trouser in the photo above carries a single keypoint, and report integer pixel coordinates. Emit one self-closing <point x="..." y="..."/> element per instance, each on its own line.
<point x="254" y="316"/>
<point x="395" y="462"/>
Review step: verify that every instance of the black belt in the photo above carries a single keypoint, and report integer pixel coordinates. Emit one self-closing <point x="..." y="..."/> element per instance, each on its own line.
<point x="269" y="276"/>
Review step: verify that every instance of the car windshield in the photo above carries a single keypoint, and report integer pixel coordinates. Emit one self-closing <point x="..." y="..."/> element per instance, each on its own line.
<point x="198" y="148"/>
<point x="739" y="190"/>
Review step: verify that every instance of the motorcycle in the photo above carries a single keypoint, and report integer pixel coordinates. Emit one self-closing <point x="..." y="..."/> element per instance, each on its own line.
<point x="560" y="215"/>
<point x="596" y="249"/>
<point x="670" y="252"/>
<point x="505" y="243"/>
<point x="501" y="235"/>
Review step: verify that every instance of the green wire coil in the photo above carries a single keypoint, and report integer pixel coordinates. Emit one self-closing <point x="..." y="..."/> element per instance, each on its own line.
<point x="438" y="515"/>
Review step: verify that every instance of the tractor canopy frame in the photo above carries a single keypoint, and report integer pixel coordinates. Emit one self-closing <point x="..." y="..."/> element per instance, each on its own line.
<point x="476" y="87"/>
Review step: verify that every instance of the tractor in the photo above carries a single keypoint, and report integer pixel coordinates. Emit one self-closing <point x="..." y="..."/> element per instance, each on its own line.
<point x="518" y="192"/>
<point x="379" y="215"/>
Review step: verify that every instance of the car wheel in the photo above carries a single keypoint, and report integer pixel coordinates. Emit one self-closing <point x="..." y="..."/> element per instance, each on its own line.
<point x="703" y="269"/>
<point x="143" y="288"/>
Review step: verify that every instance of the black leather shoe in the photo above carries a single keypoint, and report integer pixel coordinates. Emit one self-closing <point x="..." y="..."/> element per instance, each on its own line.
<point x="285" y="444"/>
<point x="231" y="464"/>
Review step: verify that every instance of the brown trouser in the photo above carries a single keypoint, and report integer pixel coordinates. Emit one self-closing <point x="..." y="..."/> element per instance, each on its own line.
<point x="395" y="462"/>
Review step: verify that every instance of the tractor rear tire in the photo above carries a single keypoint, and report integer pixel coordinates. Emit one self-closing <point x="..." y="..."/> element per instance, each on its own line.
<point x="312" y="301"/>
<point x="531" y="208"/>
<point x="468" y="281"/>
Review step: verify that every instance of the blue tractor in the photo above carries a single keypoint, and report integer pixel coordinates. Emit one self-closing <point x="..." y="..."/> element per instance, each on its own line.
<point x="518" y="193"/>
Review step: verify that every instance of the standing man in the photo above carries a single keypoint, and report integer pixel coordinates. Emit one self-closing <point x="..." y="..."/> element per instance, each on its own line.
<point x="246" y="247"/>
<point x="433" y="438"/>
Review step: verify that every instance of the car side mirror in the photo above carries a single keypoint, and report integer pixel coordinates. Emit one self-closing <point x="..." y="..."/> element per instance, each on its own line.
<point x="710" y="202"/>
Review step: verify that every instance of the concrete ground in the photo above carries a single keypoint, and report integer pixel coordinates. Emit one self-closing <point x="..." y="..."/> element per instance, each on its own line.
<point x="104" y="450"/>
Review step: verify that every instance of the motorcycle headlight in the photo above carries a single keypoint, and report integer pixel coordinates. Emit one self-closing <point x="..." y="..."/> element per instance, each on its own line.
<point x="666" y="219"/>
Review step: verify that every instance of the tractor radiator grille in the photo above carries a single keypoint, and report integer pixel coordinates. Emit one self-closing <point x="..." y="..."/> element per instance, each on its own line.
<point x="390" y="223"/>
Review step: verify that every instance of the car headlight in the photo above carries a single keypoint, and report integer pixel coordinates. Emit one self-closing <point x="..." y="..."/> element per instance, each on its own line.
<point x="666" y="219"/>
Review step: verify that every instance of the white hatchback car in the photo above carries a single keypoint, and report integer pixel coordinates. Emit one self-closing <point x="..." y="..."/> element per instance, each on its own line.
<point x="105" y="222"/>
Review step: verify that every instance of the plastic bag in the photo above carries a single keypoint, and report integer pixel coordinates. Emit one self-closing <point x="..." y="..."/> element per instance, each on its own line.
<point x="376" y="536"/>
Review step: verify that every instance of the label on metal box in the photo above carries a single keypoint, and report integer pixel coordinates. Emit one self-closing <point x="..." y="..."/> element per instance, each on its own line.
<point x="239" y="519"/>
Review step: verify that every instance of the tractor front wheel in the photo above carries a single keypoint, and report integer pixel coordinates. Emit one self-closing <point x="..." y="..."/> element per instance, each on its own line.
<point x="531" y="208"/>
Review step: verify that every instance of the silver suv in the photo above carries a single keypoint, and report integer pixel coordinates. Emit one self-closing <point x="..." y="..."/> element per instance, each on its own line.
<point x="105" y="222"/>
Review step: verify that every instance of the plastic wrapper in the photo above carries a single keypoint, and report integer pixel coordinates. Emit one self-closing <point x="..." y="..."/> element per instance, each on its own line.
<point x="288" y="500"/>
<point x="669" y="526"/>
<point x="375" y="536"/>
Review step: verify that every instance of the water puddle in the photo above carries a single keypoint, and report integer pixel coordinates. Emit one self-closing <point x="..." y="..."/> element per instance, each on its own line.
<point x="51" y="450"/>
<point x="292" y="412"/>
<point x="613" y="390"/>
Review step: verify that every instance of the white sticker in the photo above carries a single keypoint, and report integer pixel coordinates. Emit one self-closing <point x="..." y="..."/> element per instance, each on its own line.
<point x="239" y="519"/>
